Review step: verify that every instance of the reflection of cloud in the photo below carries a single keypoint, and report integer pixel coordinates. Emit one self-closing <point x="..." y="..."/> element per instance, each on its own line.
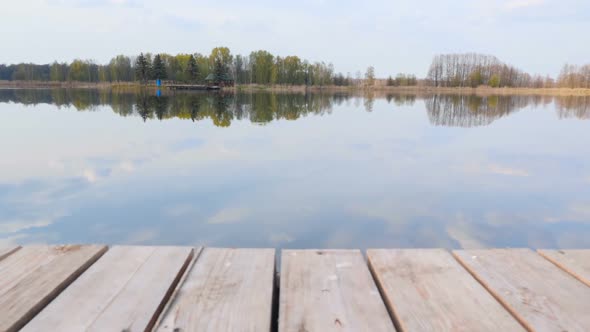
<point x="180" y="210"/>
<point x="502" y="170"/>
<point x="142" y="236"/>
<point x="228" y="216"/>
<point x="580" y="211"/>
<point x="127" y="166"/>
<point x="11" y="240"/>
<point x="280" y="238"/>
<point x="467" y="241"/>
<point x="17" y="225"/>
<point x="90" y="175"/>
<point x="186" y="144"/>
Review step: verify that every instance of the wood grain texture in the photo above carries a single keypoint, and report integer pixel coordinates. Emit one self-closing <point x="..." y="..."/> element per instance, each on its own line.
<point x="31" y="277"/>
<point x="225" y="290"/>
<point x="6" y="251"/>
<point x="575" y="262"/>
<point x="124" y="291"/>
<point x="428" y="290"/>
<point x="538" y="293"/>
<point x="329" y="290"/>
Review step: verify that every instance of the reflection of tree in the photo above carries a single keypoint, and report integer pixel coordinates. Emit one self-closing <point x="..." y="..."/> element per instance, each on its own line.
<point x="222" y="108"/>
<point x="401" y="99"/>
<point x="160" y="104"/>
<point x="369" y="99"/>
<point x="142" y="106"/>
<point x="471" y="110"/>
<point x="573" y="107"/>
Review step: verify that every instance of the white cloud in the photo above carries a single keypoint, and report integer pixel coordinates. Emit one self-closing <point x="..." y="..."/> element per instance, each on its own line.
<point x="482" y="167"/>
<point x="11" y="240"/>
<point x="142" y="236"/>
<point x="580" y="211"/>
<point x="510" y="171"/>
<point x="229" y="216"/>
<point x="516" y="4"/>
<point x="127" y="166"/>
<point x="18" y="225"/>
<point x="90" y="175"/>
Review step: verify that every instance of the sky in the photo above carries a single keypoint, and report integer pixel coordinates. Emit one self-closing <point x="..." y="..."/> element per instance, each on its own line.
<point x="394" y="36"/>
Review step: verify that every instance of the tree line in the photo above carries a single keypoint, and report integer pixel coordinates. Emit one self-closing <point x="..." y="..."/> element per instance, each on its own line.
<point x="472" y="70"/>
<point x="262" y="67"/>
<point x="573" y="76"/>
<point x="259" y="67"/>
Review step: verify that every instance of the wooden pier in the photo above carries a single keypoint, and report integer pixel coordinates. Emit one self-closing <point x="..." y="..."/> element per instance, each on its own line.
<point x="191" y="87"/>
<point x="181" y="289"/>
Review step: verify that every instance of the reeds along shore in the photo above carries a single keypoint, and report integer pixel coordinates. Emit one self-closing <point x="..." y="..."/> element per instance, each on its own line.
<point x="418" y="89"/>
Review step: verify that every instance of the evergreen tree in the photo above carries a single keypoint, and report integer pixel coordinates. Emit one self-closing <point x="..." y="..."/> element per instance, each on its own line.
<point x="192" y="69"/>
<point x="219" y="70"/>
<point x="142" y="68"/>
<point x="159" y="71"/>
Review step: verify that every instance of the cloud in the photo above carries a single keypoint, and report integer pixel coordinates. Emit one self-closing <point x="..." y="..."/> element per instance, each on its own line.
<point x="127" y="166"/>
<point x="503" y="170"/>
<point x="94" y="3"/>
<point x="480" y="168"/>
<point x="11" y="240"/>
<point x="517" y="4"/>
<point x="92" y="175"/>
<point x="142" y="236"/>
<point x="229" y="216"/>
<point x="19" y="225"/>
<point x="580" y="211"/>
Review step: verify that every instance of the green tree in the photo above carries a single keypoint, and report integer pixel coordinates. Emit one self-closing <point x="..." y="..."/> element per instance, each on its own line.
<point x="120" y="68"/>
<point x="475" y="79"/>
<point x="221" y="55"/>
<point x="494" y="81"/>
<point x="142" y="68"/>
<point x="192" y="70"/>
<point x="159" y="69"/>
<point x="262" y="66"/>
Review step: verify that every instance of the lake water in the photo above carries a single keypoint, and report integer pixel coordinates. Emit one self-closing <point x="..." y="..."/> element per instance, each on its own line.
<point x="294" y="170"/>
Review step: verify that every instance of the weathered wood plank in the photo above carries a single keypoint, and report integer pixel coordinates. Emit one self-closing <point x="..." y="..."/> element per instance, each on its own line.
<point x="329" y="290"/>
<point x="124" y="291"/>
<point x="428" y="290"/>
<point x="575" y="262"/>
<point x="31" y="277"/>
<point x="539" y="294"/>
<point x="6" y="251"/>
<point x="225" y="290"/>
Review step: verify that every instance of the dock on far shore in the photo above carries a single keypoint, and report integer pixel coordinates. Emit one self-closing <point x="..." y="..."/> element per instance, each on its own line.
<point x="195" y="87"/>
<point x="181" y="289"/>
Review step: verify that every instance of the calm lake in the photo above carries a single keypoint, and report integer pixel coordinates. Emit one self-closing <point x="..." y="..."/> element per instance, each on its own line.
<point x="294" y="170"/>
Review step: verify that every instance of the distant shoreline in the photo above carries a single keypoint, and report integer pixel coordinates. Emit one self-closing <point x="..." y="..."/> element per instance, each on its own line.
<point x="480" y="91"/>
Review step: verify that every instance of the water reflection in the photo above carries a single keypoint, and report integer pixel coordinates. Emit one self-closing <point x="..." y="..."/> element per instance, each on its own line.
<point x="261" y="108"/>
<point x="382" y="170"/>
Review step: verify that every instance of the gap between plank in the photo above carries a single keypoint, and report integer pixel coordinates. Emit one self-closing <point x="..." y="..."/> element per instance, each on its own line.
<point x="390" y="309"/>
<point x="496" y="296"/>
<point x="563" y="267"/>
